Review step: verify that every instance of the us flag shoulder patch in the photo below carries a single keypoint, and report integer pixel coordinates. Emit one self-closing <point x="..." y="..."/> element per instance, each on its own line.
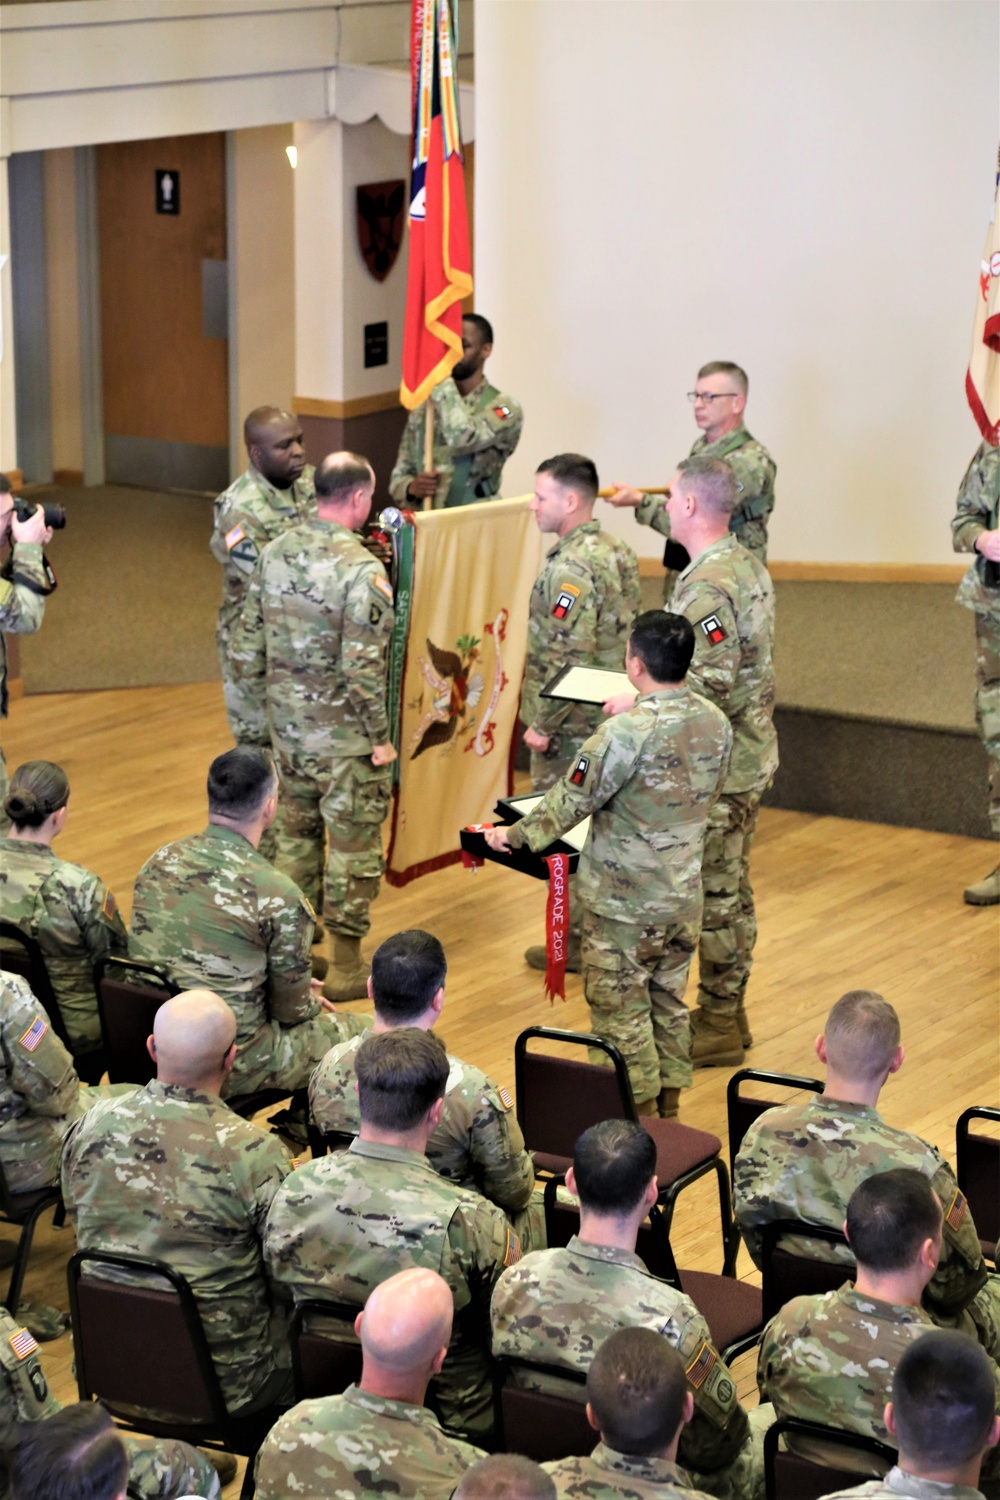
<point x="237" y="534"/>
<point x="382" y="584"/>
<point x="956" y="1211"/>
<point x="579" y="772"/>
<point x="567" y="597"/>
<point x="711" y="628"/>
<point x="505" y="1098"/>
<point x="34" y="1034"/>
<point x="512" y="1250"/>
<point x="701" y="1366"/>
<point x="109" y="906"/>
<point x="22" y="1343"/>
<point x="501" y="411"/>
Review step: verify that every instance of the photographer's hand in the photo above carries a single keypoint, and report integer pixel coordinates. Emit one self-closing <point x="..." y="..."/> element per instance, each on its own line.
<point x="33" y="529"/>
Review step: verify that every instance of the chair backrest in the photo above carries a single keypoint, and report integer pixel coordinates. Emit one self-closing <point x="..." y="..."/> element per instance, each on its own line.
<point x="21" y="955"/>
<point x="558" y="1099"/>
<point x="542" y="1425"/>
<point x="743" y="1109"/>
<point x="325" y="1359"/>
<point x="562" y="1221"/>
<point x="129" y="994"/>
<point x="978" y="1170"/>
<point x="792" y="1476"/>
<point x="792" y="1272"/>
<point x="139" y="1344"/>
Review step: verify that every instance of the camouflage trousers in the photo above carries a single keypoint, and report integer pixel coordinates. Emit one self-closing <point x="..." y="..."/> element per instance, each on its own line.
<point x="729" y="921"/>
<point x="163" y="1468"/>
<point x="347" y="798"/>
<point x="285" y="1056"/>
<point x="988" y="703"/>
<point x="743" y="1478"/>
<point x="546" y="770"/>
<point x="634" y="977"/>
<point x="4" y="786"/>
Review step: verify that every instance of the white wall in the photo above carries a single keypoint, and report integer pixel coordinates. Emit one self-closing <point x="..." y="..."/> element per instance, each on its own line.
<point x="803" y="188"/>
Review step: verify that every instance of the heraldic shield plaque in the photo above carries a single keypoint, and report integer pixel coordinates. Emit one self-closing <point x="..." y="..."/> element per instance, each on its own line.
<point x="380" y="224"/>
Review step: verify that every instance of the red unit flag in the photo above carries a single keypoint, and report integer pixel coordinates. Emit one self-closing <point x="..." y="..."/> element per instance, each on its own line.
<point x="440" y="264"/>
<point x="982" y="382"/>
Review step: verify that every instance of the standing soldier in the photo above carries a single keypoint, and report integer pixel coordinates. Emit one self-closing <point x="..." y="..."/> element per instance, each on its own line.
<point x="719" y="399"/>
<point x="275" y="493"/>
<point x="310" y="650"/>
<point x="476" y="429"/>
<point x="649" y="778"/>
<point x="976" y="528"/>
<point x="582" y="608"/>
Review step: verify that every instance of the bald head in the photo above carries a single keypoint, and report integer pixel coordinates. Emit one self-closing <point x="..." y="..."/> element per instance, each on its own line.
<point x="274" y="444"/>
<point x="257" y="422"/>
<point x="407" y="1323"/>
<point x="192" y="1035"/>
<point x="506" y="1476"/>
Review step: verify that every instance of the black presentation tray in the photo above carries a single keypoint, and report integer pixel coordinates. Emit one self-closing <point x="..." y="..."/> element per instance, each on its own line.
<point x="507" y="812"/>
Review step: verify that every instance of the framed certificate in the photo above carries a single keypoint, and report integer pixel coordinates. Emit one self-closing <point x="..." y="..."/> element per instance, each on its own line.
<point x="587" y="684"/>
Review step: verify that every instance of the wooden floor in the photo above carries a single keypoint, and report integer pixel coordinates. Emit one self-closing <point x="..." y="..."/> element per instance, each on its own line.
<point x="841" y="905"/>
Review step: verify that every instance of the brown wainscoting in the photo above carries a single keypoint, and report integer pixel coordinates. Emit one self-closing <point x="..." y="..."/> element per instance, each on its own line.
<point x="375" y="434"/>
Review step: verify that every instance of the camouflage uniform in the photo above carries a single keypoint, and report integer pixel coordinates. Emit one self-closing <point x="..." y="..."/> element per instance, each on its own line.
<point x="73" y="917"/>
<point x="649" y="777"/>
<point x="729" y="599"/>
<point x="173" y="1174"/>
<point x="754" y="469"/>
<point x="251" y="513"/>
<point x="608" y="1475"/>
<point x="216" y="914"/>
<point x="22" y="605"/>
<point x="898" y="1482"/>
<point x="359" y="1444"/>
<point x="310" y="650"/>
<point x="344" y="1223"/>
<point x="478" y="1144"/>
<point x="558" y="1306"/>
<point x="474" y="436"/>
<point x="978" y="510"/>
<point x="804" y="1160"/>
<point x="40" y="1094"/>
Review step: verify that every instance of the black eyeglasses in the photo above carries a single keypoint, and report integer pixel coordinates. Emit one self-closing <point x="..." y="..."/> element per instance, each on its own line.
<point x="708" y="396"/>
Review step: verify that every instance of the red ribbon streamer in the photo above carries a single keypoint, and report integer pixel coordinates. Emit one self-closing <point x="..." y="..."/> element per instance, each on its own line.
<point x="556" y="926"/>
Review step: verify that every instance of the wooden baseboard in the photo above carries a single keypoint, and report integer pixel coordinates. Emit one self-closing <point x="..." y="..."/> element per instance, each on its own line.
<point x="15" y="688"/>
<point x="69" y="479"/>
<point x="814" y="572"/>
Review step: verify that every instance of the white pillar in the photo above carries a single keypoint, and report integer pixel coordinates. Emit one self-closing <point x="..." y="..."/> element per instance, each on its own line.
<point x="8" y="423"/>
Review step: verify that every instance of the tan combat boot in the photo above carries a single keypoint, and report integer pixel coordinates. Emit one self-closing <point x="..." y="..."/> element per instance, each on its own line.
<point x="347" y="976"/>
<point x="223" y="1463"/>
<point x="985" y="892"/>
<point x="715" y="1039"/>
<point x="645" y="1107"/>
<point x="668" y="1104"/>
<point x="746" y="1035"/>
<point x="319" y="966"/>
<point x="535" y="957"/>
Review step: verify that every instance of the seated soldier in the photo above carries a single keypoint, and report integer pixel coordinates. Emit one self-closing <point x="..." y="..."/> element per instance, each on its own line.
<point x="171" y="1173"/>
<point x="342" y="1224"/>
<point x="505" y="1476"/>
<point x="157" y="1469"/>
<point x="378" y="1437"/>
<point x="69" y="912"/>
<point x="831" y="1358"/>
<point x="639" y="1401"/>
<point x="942" y="1415"/>
<point x="804" y="1160"/>
<point x="556" y="1306"/>
<point x="478" y="1143"/>
<point x="213" y="912"/>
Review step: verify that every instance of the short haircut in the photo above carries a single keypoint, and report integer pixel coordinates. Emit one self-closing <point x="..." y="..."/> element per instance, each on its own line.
<point x="77" y="1454"/>
<point x="613" y="1163"/>
<point x="408" y="969"/>
<point x="38" y="788"/>
<point x="339" y="474"/>
<point x="712" y="481"/>
<point x="483" y="324"/>
<point x="889" y="1216"/>
<point x="400" y="1075"/>
<point x="862" y="1033"/>
<point x="664" y="643"/>
<point x="505" y="1476"/>
<point x="943" y="1399"/>
<point x="575" y="471"/>
<point x="726" y="367"/>
<point x="239" y="783"/>
<point x="6" y="487"/>
<point x="636" y="1386"/>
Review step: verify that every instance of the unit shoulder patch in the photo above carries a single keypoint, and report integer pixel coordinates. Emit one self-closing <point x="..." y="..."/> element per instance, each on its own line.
<point x="578" y="775"/>
<point x="712" y="629"/>
<point x="568" y="596"/>
<point x="501" y="410"/>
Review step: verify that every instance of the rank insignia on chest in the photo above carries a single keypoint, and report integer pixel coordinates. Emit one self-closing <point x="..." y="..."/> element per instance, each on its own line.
<point x="232" y="537"/>
<point x="501" y="411"/>
<point x="34" y="1034"/>
<point x="956" y="1212"/>
<point x="567" y="597"/>
<point x="22" y="1343"/>
<point x="711" y="628"/>
<point x="579" y="773"/>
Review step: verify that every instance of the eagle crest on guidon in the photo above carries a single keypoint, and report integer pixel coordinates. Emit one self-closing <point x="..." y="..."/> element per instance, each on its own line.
<point x="452" y="688"/>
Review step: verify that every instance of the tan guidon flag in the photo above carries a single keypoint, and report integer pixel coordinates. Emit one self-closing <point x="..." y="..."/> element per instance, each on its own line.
<point x="473" y="570"/>
<point x="982" y="382"/>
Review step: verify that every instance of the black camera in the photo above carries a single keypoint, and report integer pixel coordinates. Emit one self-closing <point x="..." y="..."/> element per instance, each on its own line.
<point x="54" y="513"/>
